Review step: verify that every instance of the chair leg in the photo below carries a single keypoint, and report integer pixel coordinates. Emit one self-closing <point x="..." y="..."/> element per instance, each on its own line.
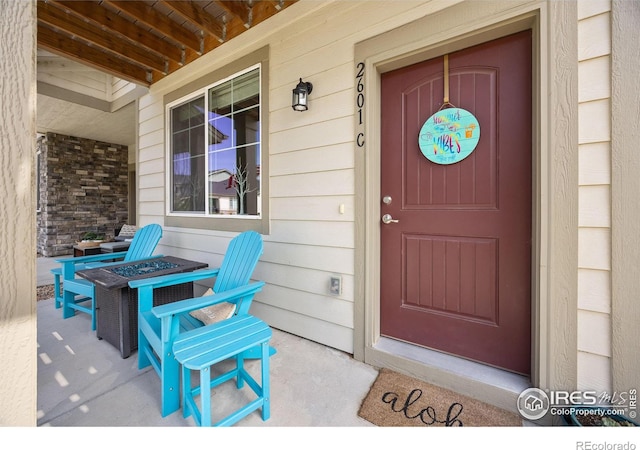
<point x="187" y="395"/>
<point x="56" y="287"/>
<point x="143" y="348"/>
<point x="239" y="371"/>
<point x="170" y="381"/>
<point x="68" y="298"/>
<point x="266" y="386"/>
<point x="204" y="348"/>
<point x="93" y="313"/>
<point x="205" y="397"/>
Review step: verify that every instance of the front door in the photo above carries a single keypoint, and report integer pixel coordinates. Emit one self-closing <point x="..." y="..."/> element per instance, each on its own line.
<point x="456" y="266"/>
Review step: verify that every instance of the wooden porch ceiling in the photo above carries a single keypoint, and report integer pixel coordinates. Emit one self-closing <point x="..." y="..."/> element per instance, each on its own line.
<point x="144" y="41"/>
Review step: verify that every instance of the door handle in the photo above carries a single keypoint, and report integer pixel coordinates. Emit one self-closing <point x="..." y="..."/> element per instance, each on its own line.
<point x="387" y="219"/>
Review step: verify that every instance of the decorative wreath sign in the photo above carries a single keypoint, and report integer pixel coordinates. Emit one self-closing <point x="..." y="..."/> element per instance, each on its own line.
<point x="449" y="136"/>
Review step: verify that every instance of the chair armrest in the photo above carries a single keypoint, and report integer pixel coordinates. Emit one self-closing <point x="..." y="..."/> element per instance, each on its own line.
<point x="75" y="267"/>
<point x="91" y="258"/>
<point x="173" y="279"/>
<point x="187" y="305"/>
<point x="70" y="266"/>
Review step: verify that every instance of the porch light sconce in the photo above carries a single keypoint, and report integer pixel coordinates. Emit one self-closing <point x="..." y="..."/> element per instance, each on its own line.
<point x="301" y="96"/>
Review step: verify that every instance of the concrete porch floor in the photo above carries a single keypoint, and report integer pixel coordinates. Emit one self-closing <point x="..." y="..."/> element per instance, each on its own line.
<point x="83" y="381"/>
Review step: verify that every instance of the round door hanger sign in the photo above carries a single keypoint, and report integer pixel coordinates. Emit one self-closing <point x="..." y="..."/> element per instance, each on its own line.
<point x="449" y="136"/>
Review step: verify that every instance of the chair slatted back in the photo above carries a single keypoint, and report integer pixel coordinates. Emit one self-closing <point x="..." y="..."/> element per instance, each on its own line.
<point x="239" y="261"/>
<point x="144" y="242"/>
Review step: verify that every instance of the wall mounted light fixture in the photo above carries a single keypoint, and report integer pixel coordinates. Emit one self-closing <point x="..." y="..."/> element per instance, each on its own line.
<point x="301" y="96"/>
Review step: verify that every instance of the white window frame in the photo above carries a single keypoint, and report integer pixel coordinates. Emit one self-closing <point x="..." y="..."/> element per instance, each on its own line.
<point x="190" y="91"/>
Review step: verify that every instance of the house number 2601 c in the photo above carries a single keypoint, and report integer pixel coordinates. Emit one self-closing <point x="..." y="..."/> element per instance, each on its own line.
<point x="360" y="103"/>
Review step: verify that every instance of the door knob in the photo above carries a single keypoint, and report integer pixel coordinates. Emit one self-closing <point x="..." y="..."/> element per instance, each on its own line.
<point x="387" y="219"/>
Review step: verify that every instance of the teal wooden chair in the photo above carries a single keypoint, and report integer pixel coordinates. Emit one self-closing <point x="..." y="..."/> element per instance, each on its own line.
<point x="79" y="294"/>
<point x="200" y="349"/>
<point x="159" y="327"/>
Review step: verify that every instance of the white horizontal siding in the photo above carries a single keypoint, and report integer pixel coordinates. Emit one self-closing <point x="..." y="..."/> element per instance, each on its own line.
<point x="90" y="83"/>
<point x="589" y="8"/>
<point x="313" y="208"/>
<point x="595" y="79"/>
<point x="331" y="157"/>
<point x="595" y="373"/>
<point x="152" y="138"/>
<point x="336" y="182"/>
<point x="594" y="333"/>
<point x="155" y="209"/>
<point x="120" y="87"/>
<point x="593" y="200"/>
<point x="594" y="248"/>
<point x="594" y="36"/>
<point x="332" y="234"/>
<point x="336" y="310"/>
<point x="594" y="290"/>
<point x="212" y="242"/>
<point x="151" y="124"/>
<point x="595" y="121"/>
<point x="309" y="284"/>
<point x="151" y="195"/>
<point x="151" y="152"/>
<point x="322" y="258"/>
<point x="67" y="74"/>
<point x="148" y="106"/>
<point x="324" y="332"/>
<point x="152" y="166"/>
<point x="336" y="131"/>
<point x="595" y="164"/>
<point x="150" y="180"/>
<point x="594" y="213"/>
<point x="329" y="107"/>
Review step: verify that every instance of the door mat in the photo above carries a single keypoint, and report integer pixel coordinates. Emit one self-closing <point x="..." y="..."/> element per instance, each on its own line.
<point x="397" y="400"/>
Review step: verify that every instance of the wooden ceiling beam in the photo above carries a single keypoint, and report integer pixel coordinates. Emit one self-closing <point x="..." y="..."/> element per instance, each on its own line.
<point x="196" y="14"/>
<point x="106" y="19"/>
<point x="143" y="41"/>
<point x="241" y="10"/>
<point x="77" y="51"/>
<point x="78" y="28"/>
<point x="144" y="13"/>
<point x="262" y="11"/>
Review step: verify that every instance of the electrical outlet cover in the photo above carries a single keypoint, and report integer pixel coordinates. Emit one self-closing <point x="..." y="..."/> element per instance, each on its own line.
<point x="336" y="286"/>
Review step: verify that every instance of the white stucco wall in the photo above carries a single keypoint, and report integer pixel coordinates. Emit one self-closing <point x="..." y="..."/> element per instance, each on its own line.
<point x="17" y="221"/>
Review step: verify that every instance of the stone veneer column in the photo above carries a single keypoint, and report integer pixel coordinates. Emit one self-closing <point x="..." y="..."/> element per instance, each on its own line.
<point x="83" y="187"/>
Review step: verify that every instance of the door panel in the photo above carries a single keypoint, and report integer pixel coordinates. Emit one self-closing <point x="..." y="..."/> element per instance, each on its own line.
<point x="456" y="267"/>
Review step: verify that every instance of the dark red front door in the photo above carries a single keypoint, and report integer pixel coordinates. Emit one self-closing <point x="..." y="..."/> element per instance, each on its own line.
<point x="456" y="267"/>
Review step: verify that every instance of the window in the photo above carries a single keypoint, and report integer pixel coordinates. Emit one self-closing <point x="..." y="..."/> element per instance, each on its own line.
<point x="215" y="149"/>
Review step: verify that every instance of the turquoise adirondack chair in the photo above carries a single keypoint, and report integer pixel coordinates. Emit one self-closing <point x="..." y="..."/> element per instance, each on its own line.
<point x="159" y="326"/>
<point x="79" y="294"/>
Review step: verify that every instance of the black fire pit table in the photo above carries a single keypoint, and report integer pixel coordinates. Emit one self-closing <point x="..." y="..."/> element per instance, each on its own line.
<point x="117" y="303"/>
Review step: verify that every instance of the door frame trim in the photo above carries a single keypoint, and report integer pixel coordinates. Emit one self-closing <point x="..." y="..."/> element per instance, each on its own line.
<point x="555" y="175"/>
